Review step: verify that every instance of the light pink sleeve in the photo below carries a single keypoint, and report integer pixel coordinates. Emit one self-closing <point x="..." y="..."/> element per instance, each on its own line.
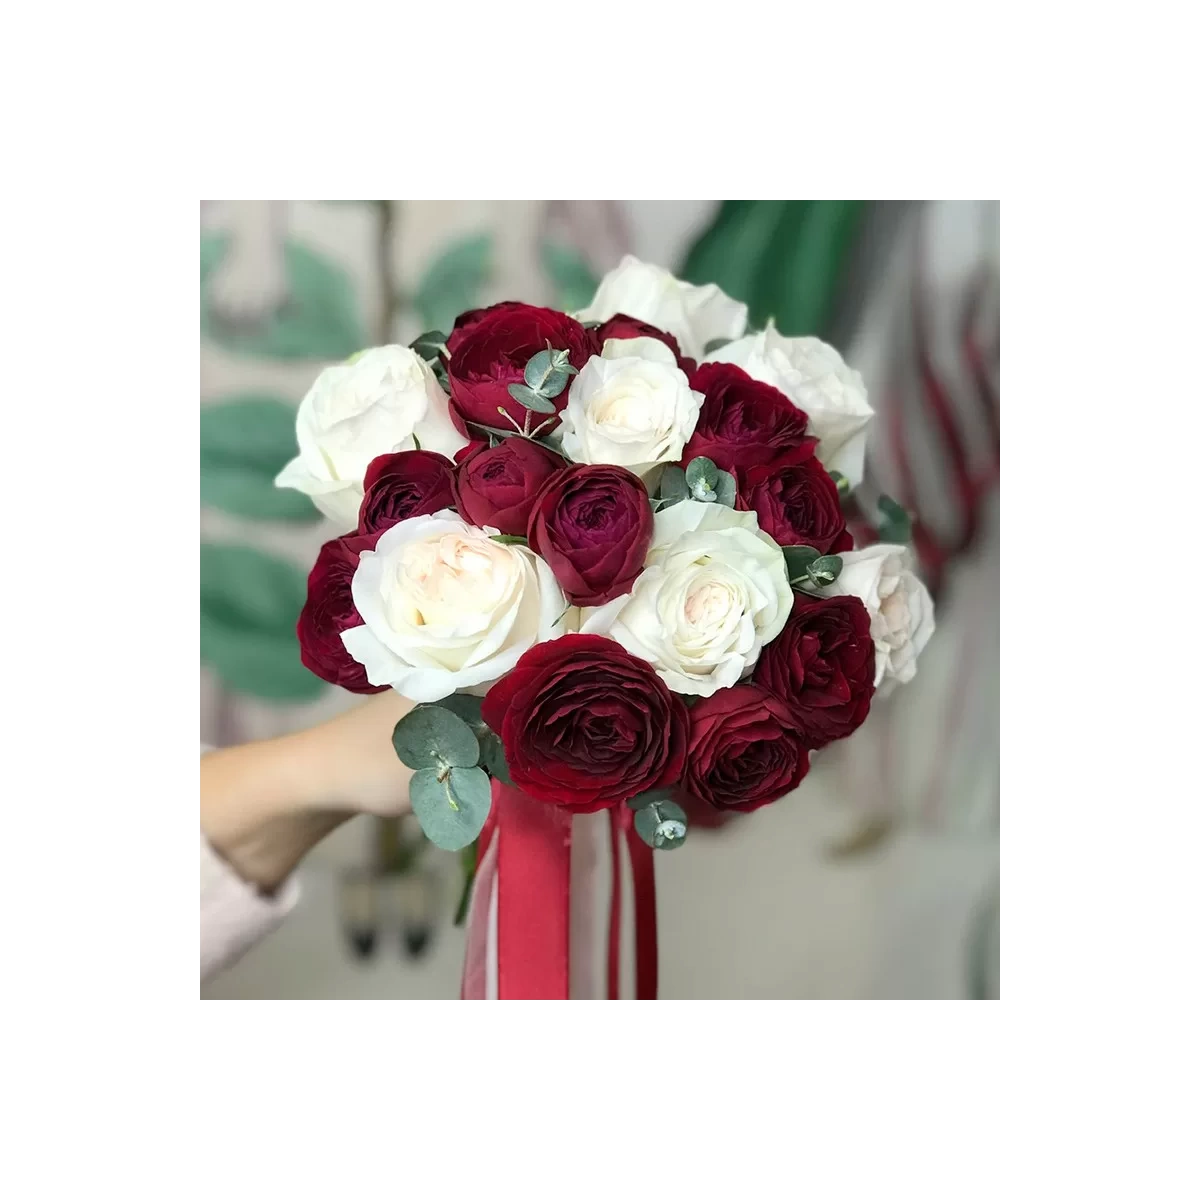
<point x="234" y="915"/>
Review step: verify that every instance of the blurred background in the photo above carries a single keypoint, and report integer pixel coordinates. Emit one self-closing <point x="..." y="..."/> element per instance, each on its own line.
<point x="879" y="878"/>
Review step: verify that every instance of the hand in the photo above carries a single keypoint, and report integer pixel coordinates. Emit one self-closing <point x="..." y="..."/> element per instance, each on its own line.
<point x="264" y="805"/>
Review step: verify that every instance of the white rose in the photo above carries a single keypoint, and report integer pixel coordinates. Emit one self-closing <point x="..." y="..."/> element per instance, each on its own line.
<point x="695" y="315"/>
<point x="631" y="407"/>
<point x="358" y="410"/>
<point x="714" y="591"/>
<point x="814" y="377"/>
<point x="446" y="608"/>
<point x="900" y="607"/>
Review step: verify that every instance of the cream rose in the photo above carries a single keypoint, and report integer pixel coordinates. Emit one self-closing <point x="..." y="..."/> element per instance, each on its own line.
<point x="900" y="607"/>
<point x="714" y="591"/>
<point x="358" y="410"/>
<point x="630" y="407"/>
<point x="446" y="608"/>
<point x="695" y="315"/>
<point x="814" y="377"/>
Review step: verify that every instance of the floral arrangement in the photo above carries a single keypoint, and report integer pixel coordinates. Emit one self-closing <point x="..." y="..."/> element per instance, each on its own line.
<point x="606" y="554"/>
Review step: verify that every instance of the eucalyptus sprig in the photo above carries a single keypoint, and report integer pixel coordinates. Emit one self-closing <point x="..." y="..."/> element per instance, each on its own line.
<point x="450" y="792"/>
<point x="659" y="821"/>
<point x="703" y="480"/>
<point x="807" y="566"/>
<point x="433" y="349"/>
<point x="546" y="374"/>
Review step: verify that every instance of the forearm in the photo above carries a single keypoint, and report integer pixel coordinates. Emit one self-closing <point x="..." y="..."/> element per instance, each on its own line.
<point x="264" y="805"/>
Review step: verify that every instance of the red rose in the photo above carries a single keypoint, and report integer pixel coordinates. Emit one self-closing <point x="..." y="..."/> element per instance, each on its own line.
<point x="586" y="725"/>
<point x="329" y="609"/>
<point x="624" y="327"/>
<point x="496" y="486"/>
<point x="797" y="501"/>
<point x="489" y="348"/>
<point x="461" y="455"/>
<point x="822" y="666"/>
<point x="743" y="422"/>
<point x="744" y="750"/>
<point x="593" y="525"/>
<point x="409" y="483"/>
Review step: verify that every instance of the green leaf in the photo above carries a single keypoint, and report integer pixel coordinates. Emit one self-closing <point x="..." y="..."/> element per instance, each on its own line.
<point x="452" y="282"/>
<point x="510" y="539"/>
<point x="452" y="811"/>
<point x="798" y="559"/>
<point x="716" y="344"/>
<point x="726" y="489"/>
<point x="430" y="346"/>
<point x="896" y="525"/>
<point x="556" y="381"/>
<point x="249" y="602"/>
<point x="530" y="399"/>
<point x="824" y="570"/>
<point x="491" y="757"/>
<point x="657" y="795"/>
<point x="842" y="483"/>
<point x="783" y="258"/>
<point x="673" y="484"/>
<point x="433" y="737"/>
<point x="538" y="368"/>
<point x="573" y="279"/>
<point x="244" y="443"/>
<point x="469" y="856"/>
<point x="319" y="319"/>
<point x="661" y="824"/>
<point x="467" y="708"/>
<point x="701" y="470"/>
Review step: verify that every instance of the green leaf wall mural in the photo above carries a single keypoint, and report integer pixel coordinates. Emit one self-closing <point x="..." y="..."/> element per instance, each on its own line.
<point x="784" y="258"/>
<point x="244" y="443"/>
<point x="318" y="319"/>
<point x="249" y="603"/>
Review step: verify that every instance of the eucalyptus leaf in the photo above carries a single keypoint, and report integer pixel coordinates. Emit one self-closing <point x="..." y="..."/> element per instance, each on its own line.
<point x="538" y="369"/>
<point x="491" y="757"/>
<point x="655" y="796"/>
<point x="701" y="470"/>
<point x="673" y="485"/>
<point x="824" y="570"/>
<point x="530" y="399"/>
<point x="467" y="708"/>
<point x="661" y="824"/>
<point x="726" y="489"/>
<point x="434" y="737"/>
<point x="430" y="346"/>
<point x="555" y="382"/>
<point x="451" y="810"/>
<point x="716" y="344"/>
<point x="798" y="559"/>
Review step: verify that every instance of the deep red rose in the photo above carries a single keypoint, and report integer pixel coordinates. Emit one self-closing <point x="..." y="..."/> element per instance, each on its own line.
<point x="489" y="348"/>
<point x="797" y="502"/>
<point x="743" y="422"/>
<point x="496" y="486"/>
<point x="822" y="666"/>
<point x="593" y="525"/>
<point x="744" y="749"/>
<point x="329" y="609"/>
<point x="624" y="327"/>
<point x="461" y="455"/>
<point x="409" y="483"/>
<point x="586" y="725"/>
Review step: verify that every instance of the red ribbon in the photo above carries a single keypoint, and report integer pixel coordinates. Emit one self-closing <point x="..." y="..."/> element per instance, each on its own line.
<point x="533" y="917"/>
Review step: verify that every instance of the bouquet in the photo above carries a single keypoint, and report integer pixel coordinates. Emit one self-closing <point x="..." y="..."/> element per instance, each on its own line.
<point x="607" y="556"/>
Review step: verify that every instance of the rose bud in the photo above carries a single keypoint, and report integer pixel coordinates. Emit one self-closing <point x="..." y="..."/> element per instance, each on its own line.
<point x="586" y="725"/>
<point x="489" y="348"/>
<point x="593" y="525"/>
<point x="743" y="423"/>
<point x="410" y="483"/>
<point x="329" y="609"/>
<point x="797" y="502"/>
<point x="822" y="666"/>
<point x="497" y="486"/>
<point x="744" y="749"/>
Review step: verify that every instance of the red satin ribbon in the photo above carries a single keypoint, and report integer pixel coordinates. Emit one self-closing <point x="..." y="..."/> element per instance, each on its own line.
<point x="534" y="901"/>
<point x="641" y="864"/>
